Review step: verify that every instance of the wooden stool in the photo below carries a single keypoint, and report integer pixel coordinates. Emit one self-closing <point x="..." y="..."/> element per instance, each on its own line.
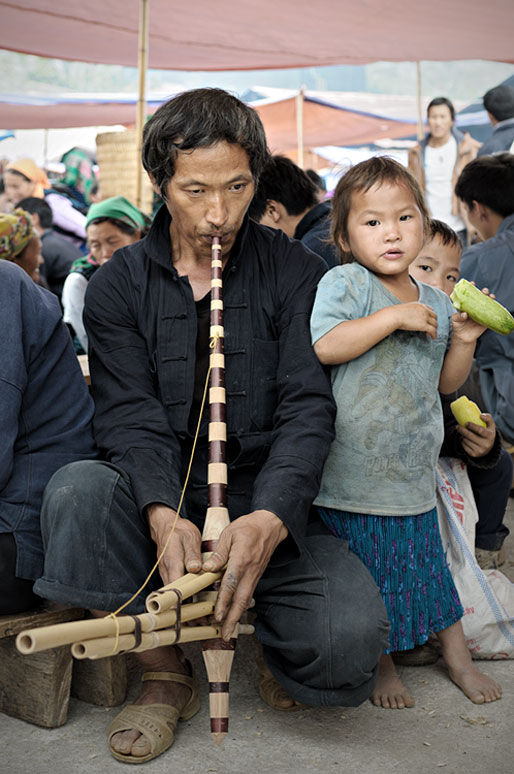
<point x="36" y="688"/>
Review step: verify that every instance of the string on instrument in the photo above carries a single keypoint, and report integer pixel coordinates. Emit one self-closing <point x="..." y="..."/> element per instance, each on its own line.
<point x="212" y="345"/>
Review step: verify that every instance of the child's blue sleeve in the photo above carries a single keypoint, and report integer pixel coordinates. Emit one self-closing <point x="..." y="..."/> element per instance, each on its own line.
<point x="337" y="300"/>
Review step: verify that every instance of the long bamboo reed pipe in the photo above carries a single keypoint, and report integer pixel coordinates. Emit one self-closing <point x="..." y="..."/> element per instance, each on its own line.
<point x="166" y="598"/>
<point x="44" y="637"/>
<point x="110" y="646"/>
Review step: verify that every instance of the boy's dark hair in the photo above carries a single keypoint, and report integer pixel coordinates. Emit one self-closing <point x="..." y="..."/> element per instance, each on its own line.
<point x="282" y="180"/>
<point x="362" y="177"/>
<point x="316" y="179"/>
<point x="438" y="228"/>
<point x="442" y="101"/>
<point x="199" y="119"/>
<point x="499" y="102"/>
<point x="33" y="205"/>
<point x="489" y="180"/>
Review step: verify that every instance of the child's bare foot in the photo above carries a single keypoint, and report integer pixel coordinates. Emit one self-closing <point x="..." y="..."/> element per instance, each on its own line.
<point x="478" y="687"/>
<point x="390" y="692"/>
<point x="473" y="683"/>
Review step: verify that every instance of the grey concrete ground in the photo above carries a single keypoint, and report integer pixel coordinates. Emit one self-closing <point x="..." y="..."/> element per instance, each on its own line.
<point x="444" y="732"/>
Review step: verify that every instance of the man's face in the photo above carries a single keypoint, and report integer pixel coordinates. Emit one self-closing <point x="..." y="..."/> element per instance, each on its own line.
<point x="440" y="122"/>
<point x="437" y="265"/>
<point x="208" y="196"/>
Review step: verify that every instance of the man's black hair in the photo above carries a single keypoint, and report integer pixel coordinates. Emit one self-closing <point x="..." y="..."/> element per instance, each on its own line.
<point x="489" y="180"/>
<point x="316" y="179"/>
<point x="499" y="102"/>
<point x="201" y="118"/>
<point x="283" y="181"/>
<point x="442" y="101"/>
<point x="33" y="205"/>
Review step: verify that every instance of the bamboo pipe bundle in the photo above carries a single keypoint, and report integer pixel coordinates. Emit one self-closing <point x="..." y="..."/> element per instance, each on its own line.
<point x="45" y="637"/>
<point x="110" y="646"/>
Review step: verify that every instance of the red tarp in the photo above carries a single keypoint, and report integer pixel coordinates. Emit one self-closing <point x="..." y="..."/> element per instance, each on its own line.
<point x="245" y="34"/>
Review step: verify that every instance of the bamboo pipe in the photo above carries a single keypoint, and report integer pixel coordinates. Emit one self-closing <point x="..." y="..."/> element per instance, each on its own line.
<point x="110" y="646"/>
<point x="217" y="654"/>
<point x="167" y="598"/>
<point x="35" y="640"/>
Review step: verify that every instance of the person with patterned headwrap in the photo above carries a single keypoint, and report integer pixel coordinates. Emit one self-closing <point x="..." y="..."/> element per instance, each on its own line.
<point x="24" y="178"/>
<point x="110" y="224"/>
<point x="19" y="242"/>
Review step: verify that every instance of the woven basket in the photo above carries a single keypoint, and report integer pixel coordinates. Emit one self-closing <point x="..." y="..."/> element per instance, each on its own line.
<point x="118" y="160"/>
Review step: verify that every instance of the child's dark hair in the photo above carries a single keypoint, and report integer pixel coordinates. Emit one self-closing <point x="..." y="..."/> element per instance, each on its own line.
<point x="437" y="228"/>
<point x="362" y="177"/>
<point x="489" y="180"/>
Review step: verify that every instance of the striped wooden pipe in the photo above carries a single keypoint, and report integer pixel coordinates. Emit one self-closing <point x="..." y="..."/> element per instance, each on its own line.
<point x="217" y="654"/>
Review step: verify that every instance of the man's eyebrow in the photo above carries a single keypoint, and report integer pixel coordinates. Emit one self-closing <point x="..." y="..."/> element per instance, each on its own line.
<point x="243" y="176"/>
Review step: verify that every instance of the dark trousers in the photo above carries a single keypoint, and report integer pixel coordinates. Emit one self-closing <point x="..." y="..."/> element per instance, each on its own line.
<point x="491" y="490"/>
<point x="17" y="595"/>
<point x="320" y="617"/>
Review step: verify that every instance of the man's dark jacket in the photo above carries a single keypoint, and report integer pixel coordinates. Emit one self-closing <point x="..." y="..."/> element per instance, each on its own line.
<point x="314" y="232"/>
<point x="142" y="325"/>
<point x="500" y="140"/>
<point x="58" y="254"/>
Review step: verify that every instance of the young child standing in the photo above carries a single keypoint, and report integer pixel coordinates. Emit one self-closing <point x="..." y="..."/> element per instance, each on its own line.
<point x="393" y="343"/>
<point x="489" y="466"/>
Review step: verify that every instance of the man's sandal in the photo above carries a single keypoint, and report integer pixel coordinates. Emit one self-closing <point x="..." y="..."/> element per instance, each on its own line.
<point x="156" y="722"/>
<point x="273" y="694"/>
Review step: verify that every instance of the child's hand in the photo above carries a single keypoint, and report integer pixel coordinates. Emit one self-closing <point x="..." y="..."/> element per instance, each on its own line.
<point x="466" y="330"/>
<point x="416" y="317"/>
<point x="478" y="441"/>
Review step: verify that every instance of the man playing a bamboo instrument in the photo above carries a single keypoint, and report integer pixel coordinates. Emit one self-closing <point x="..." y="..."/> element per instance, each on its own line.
<point x="147" y="320"/>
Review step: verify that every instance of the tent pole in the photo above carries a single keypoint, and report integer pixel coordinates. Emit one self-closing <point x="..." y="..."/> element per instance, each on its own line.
<point x="299" y="125"/>
<point x="421" y="129"/>
<point x="141" y="102"/>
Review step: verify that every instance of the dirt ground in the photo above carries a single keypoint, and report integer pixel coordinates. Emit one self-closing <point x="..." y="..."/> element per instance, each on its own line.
<point x="443" y="732"/>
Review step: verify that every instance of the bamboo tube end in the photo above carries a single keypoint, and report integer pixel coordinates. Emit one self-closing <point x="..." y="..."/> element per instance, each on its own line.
<point x="25" y="643"/>
<point x="218" y="738"/>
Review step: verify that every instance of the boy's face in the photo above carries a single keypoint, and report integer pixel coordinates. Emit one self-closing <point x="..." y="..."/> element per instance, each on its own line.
<point x="437" y="265"/>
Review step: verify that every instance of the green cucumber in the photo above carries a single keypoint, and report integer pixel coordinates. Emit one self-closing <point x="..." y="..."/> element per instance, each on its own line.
<point x="482" y="308"/>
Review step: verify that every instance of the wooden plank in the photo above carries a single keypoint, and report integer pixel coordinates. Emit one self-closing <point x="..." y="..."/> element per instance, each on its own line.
<point x="41" y="616"/>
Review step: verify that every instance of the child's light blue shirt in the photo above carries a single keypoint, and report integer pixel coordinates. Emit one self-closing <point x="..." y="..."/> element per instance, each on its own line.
<point x="389" y="425"/>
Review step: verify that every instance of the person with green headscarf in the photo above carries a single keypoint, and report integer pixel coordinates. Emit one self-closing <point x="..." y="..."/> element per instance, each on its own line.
<point x="110" y="224"/>
<point x="20" y="243"/>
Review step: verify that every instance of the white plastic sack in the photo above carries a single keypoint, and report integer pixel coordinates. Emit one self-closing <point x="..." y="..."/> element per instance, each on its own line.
<point x="487" y="596"/>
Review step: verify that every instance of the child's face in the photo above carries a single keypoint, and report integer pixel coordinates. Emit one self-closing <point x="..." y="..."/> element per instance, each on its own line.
<point x="385" y="229"/>
<point x="437" y="265"/>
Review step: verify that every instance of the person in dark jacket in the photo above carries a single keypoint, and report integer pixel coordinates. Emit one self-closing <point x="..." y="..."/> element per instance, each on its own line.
<point x="499" y="103"/>
<point x="58" y="253"/>
<point x="45" y="421"/>
<point x="286" y="198"/>
<point x="147" y="322"/>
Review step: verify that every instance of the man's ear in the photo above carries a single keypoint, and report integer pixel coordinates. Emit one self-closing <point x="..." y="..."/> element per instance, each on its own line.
<point x="481" y="210"/>
<point x="274" y="210"/>
<point x="154" y="184"/>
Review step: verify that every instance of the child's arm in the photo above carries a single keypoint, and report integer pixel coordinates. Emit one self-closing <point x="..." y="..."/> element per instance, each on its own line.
<point x="352" y="338"/>
<point x="457" y="362"/>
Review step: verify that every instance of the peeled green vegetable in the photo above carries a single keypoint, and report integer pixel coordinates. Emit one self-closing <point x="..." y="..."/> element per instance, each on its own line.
<point x="464" y="410"/>
<point x="481" y="308"/>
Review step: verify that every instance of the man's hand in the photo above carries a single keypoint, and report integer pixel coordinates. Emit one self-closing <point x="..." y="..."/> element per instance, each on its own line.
<point x="245" y="547"/>
<point x="477" y="441"/>
<point x="183" y="553"/>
